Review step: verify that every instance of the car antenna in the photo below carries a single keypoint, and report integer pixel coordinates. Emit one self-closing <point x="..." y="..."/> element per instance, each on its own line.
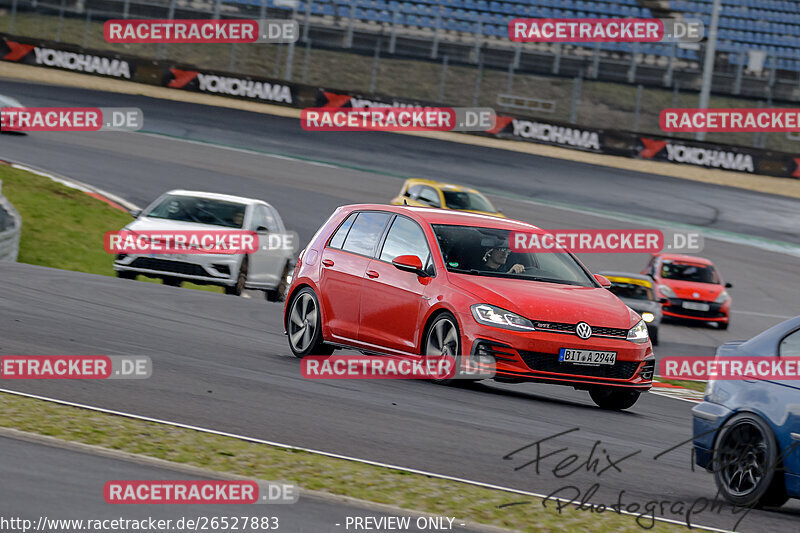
<point x="405" y="202"/>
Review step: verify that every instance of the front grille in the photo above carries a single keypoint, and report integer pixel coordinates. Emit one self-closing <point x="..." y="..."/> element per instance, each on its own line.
<point x="165" y="265"/>
<point x="547" y="362"/>
<point x="609" y="332"/>
<point x="562" y="327"/>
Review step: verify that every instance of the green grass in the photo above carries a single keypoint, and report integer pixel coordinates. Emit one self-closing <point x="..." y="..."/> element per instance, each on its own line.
<point x="693" y="385"/>
<point x="310" y="471"/>
<point x="63" y="227"/>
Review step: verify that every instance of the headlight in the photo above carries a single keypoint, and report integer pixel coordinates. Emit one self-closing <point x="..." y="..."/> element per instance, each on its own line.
<point x="648" y="317"/>
<point x="666" y="291"/>
<point x="723" y="296"/>
<point x="490" y="315"/>
<point x="638" y="333"/>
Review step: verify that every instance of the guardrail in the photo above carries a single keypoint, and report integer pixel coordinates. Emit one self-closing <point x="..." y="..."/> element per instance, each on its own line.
<point x="10" y="228"/>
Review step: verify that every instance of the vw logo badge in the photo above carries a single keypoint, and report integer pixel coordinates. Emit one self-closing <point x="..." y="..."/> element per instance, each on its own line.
<point x="696" y="294"/>
<point x="583" y="330"/>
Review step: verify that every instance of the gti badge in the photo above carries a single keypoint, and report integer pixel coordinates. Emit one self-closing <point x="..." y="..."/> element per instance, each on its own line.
<point x="583" y="330"/>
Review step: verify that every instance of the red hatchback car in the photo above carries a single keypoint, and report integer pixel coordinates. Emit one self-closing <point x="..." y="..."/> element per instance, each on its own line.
<point x="693" y="288"/>
<point x="410" y="281"/>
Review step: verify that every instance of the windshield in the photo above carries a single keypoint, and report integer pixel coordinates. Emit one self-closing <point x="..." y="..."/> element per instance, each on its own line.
<point x="688" y="272"/>
<point x="200" y="210"/>
<point x="633" y="291"/>
<point x="484" y="252"/>
<point x="471" y="201"/>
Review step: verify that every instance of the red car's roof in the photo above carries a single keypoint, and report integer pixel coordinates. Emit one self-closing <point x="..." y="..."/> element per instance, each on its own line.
<point x="432" y="215"/>
<point x="681" y="258"/>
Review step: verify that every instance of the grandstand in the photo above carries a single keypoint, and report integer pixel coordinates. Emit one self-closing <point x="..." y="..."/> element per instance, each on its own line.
<point x="769" y="26"/>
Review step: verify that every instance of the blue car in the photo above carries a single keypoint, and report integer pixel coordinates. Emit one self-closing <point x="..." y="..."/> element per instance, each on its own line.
<point x="747" y="432"/>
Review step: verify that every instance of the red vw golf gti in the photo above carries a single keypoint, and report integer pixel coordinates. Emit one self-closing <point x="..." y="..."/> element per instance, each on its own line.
<point x="415" y="281"/>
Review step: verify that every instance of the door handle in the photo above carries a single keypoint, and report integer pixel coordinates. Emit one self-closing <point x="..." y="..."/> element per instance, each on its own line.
<point x="372" y="274"/>
<point x="327" y="262"/>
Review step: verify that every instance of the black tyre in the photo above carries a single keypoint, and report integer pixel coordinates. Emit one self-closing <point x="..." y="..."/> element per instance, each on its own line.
<point x="278" y="294"/>
<point x="442" y="338"/>
<point x="172" y="282"/>
<point x="746" y="463"/>
<point x="723" y="325"/>
<point x="241" y="280"/>
<point x="304" y="325"/>
<point x="612" y="398"/>
<point x="126" y="274"/>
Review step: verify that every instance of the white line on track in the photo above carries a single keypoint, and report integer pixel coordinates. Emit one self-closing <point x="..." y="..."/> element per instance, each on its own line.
<point x="335" y="455"/>
<point x="755" y="313"/>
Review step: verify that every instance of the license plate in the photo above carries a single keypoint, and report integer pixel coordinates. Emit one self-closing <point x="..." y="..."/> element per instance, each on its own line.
<point x="696" y="306"/>
<point x="174" y="257"/>
<point x="586" y="357"/>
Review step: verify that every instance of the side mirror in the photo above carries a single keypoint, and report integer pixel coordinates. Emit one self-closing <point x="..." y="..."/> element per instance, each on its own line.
<point x="262" y="229"/>
<point x="602" y="280"/>
<point x="135" y="212"/>
<point x="728" y="285"/>
<point x="409" y="263"/>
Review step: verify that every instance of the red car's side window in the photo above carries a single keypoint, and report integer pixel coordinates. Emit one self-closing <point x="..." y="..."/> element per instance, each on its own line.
<point x="337" y="240"/>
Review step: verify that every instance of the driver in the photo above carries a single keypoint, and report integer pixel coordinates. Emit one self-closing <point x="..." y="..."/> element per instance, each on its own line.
<point x="495" y="259"/>
<point x="237" y="219"/>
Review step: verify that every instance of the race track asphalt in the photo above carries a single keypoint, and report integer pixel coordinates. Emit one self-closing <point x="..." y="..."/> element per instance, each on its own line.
<point x="223" y="363"/>
<point x="61" y="486"/>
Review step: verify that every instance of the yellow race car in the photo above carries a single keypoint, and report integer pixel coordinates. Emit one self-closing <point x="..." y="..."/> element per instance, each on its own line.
<point x="429" y="193"/>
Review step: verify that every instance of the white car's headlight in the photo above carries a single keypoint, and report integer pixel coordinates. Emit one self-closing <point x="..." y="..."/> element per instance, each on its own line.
<point x="666" y="291"/>
<point x="723" y="296"/>
<point x="638" y="333"/>
<point x="491" y="315"/>
<point x="648" y="317"/>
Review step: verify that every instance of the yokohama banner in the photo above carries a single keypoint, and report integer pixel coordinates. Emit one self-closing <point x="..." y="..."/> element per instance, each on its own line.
<point x="227" y="84"/>
<point x="66" y="57"/>
<point x="547" y="132"/>
<point x="719" y="156"/>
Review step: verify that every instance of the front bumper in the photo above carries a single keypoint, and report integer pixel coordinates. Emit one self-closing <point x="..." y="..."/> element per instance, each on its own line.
<point x="533" y="356"/>
<point x="206" y="268"/>
<point x="716" y="312"/>
<point x="707" y="419"/>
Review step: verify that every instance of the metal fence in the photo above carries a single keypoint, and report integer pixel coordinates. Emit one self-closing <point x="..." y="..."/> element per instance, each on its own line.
<point x="10" y="227"/>
<point x="590" y="86"/>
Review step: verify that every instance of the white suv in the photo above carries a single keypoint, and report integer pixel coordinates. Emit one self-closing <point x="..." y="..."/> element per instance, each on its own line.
<point x="265" y="269"/>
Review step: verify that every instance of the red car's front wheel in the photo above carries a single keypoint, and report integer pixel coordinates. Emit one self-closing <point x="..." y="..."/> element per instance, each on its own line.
<point x="304" y="325"/>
